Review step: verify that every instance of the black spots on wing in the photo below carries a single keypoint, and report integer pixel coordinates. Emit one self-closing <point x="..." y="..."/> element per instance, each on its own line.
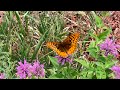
<point x="69" y="42"/>
<point x="64" y="47"/>
<point x="71" y="38"/>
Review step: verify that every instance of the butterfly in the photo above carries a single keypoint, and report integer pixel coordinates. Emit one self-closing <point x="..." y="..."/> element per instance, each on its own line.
<point x="66" y="47"/>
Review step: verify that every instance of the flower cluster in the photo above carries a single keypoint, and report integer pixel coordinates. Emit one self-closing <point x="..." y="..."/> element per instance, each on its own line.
<point x="27" y="70"/>
<point x="116" y="70"/>
<point x="24" y="69"/>
<point x="38" y="69"/>
<point x="63" y="60"/>
<point x="110" y="47"/>
<point x="2" y="76"/>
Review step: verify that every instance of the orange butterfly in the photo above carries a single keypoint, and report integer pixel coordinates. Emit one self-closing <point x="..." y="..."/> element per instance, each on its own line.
<point x="67" y="47"/>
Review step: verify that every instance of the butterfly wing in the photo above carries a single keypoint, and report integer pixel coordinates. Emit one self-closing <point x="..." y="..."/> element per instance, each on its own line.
<point x="72" y="39"/>
<point x="54" y="46"/>
<point x="65" y="48"/>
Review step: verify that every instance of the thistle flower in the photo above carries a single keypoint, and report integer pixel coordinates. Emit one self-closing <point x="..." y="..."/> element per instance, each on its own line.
<point x="110" y="47"/>
<point x="38" y="69"/>
<point x="116" y="70"/>
<point x="2" y="76"/>
<point x="63" y="60"/>
<point x="24" y="70"/>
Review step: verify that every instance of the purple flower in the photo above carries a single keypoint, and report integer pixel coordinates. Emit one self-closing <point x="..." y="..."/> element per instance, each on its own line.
<point x="110" y="47"/>
<point x="27" y="70"/>
<point x="2" y="76"/>
<point x="24" y="70"/>
<point x="38" y="69"/>
<point x="63" y="60"/>
<point x="116" y="70"/>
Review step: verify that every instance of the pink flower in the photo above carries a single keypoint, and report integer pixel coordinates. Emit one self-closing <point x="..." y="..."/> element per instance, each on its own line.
<point x="63" y="60"/>
<point x="38" y="69"/>
<point x="2" y="76"/>
<point x="24" y="70"/>
<point x="116" y="70"/>
<point x="110" y="47"/>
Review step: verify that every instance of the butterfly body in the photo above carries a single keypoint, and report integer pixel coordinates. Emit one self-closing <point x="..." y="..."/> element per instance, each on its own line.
<point x="65" y="48"/>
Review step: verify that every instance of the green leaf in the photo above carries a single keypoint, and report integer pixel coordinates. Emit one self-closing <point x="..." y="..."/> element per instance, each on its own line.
<point x="19" y="22"/>
<point x="109" y="64"/>
<point x="53" y="76"/>
<point x="38" y="46"/>
<point x="111" y="75"/>
<point x="99" y="64"/>
<point x="54" y="61"/>
<point x="100" y="73"/>
<point x="52" y="70"/>
<point x="94" y="36"/>
<point x="92" y="44"/>
<point x="83" y="62"/>
<point x="2" y="57"/>
<point x="93" y="52"/>
<point x="92" y="66"/>
<point x="83" y="74"/>
<point x="104" y="34"/>
<point x="110" y="57"/>
<point x="2" y="69"/>
<point x="59" y="75"/>
<point x="90" y="74"/>
<point x="74" y="73"/>
<point x="102" y="59"/>
<point x="69" y="73"/>
<point x="98" y="20"/>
